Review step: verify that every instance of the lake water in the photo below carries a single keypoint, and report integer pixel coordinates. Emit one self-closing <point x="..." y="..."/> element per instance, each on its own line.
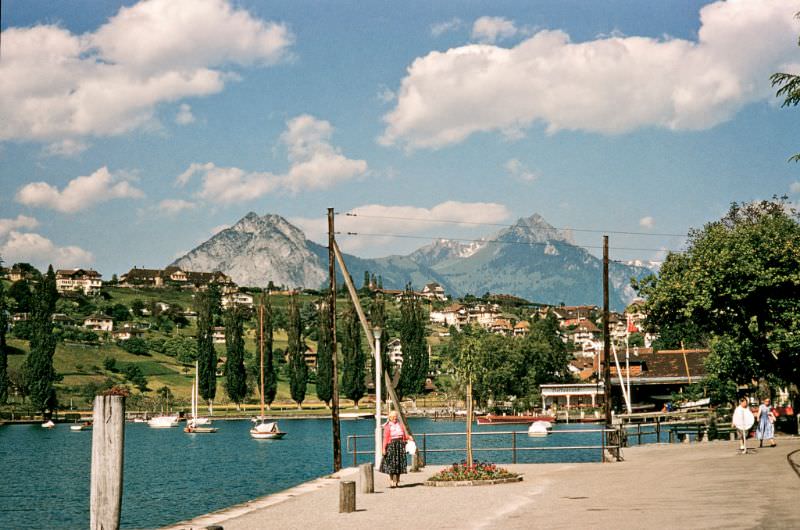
<point x="172" y="476"/>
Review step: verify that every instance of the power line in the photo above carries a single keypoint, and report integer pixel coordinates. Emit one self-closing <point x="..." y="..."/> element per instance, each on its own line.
<point x="497" y="241"/>
<point x="505" y="225"/>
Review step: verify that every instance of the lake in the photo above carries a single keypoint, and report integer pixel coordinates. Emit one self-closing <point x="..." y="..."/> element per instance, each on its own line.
<point x="172" y="476"/>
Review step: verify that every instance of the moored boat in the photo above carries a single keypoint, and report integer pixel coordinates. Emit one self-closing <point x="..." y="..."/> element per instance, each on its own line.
<point x="196" y="424"/>
<point x="83" y="425"/>
<point x="540" y="429"/>
<point x="164" y="421"/>
<point x="510" y="420"/>
<point x="48" y="424"/>
<point x="266" y="430"/>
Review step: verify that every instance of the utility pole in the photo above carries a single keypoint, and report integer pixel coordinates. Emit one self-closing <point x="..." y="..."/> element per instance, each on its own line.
<point x="606" y="337"/>
<point x="337" y="442"/>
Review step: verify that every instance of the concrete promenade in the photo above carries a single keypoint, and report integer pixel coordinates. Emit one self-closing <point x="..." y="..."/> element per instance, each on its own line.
<point x="698" y="485"/>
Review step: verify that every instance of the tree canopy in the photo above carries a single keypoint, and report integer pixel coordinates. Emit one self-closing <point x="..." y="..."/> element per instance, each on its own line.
<point x="737" y="288"/>
<point x="353" y="358"/>
<point x="39" y="371"/>
<point x="324" y="356"/>
<point x="415" y="347"/>
<point x="298" y="370"/>
<point x="235" y="374"/>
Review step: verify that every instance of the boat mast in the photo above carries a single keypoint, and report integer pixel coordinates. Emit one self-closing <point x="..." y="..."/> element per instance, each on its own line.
<point x="261" y="347"/>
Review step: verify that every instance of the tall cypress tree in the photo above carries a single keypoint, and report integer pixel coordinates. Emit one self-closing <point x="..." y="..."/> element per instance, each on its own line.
<point x="298" y="371"/>
<point x="324" y="356"/>
<point x="206" y="355"/>
<point x="3" y="352"/>
<point x="353" y="358"/>
<point x="415" y="352"/>
<point x="235" y="374"/>
<point x="270" y="375"/>
<point x="39" y="372"/>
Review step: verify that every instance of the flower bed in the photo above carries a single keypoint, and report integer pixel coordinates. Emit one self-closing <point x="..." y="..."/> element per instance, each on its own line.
<point x="479" y="473"/>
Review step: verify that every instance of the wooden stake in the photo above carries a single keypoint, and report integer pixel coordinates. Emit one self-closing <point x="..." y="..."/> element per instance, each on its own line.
<point x="108" y="444"/>
<point x="347" y="496"/>
<point x="367" y="478"/>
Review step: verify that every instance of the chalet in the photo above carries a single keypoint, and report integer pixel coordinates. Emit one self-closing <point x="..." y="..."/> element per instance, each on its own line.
<point x="61" y="318"/>
<point x="433" y="291"/>
<point x="218" y="335"/>
<point x="584" y="335"/>
<point x="137" y="277"/>
<point x="237" y="299"/>
<point x="309" y="356"/>
<point x="452" y="315"/>
<point x="99" y="322"/>
<point x="571" y="315"/>
<point x="87" y="281"/>
<point x="17" y="273"/>
<point x="127" y="333"/>
<point x="522" y="328"/>
<point x="483" y="315"/>
<point x="501" y="326"/>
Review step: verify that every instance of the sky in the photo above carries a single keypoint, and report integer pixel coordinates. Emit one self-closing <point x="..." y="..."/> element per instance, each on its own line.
<point x="132" y="131"/>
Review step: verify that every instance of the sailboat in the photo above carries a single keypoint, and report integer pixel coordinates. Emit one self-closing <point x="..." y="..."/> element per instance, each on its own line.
<point x="197" y="425"/>
<point x="264" y="430"/>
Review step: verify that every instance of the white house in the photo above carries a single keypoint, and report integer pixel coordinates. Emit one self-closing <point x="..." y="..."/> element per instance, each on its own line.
<point x="452" y="315"/>
<point x="87" y="281"/>
<point x="394" y="350"/>
<point x="433" y="291"/>
<point x="237" y="298"/>
<point x="99" y="322"/>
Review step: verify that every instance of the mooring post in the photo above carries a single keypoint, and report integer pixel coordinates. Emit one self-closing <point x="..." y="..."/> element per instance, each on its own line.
<point x="347" y="496"/>
<point x="108" y="444"/>
<point x="367" y="477"/>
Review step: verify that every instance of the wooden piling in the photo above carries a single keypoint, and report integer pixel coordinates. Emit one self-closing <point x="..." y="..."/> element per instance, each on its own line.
<point x="367" y="477"/>
<point x="347" y="496"/>
<point x="108" y="444"/>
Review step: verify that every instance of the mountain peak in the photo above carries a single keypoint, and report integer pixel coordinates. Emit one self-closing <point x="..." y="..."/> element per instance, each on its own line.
<point x="533" y="229"/>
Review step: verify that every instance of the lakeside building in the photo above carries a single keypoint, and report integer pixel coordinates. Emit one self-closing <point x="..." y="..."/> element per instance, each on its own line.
<point x="572" y="395"/>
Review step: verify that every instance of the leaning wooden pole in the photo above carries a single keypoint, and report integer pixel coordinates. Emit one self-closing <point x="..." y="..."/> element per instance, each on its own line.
<point x="606" y="347"/>
<point x="337" y="442"/>
<point x="370" y="337"/>
<point x="108" y="444"/>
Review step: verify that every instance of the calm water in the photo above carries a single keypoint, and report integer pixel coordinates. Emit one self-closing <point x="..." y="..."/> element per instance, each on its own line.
<point x="171" y="476"/>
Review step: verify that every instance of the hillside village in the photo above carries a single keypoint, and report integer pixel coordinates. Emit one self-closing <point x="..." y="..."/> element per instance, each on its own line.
<point x="141" y="327"/>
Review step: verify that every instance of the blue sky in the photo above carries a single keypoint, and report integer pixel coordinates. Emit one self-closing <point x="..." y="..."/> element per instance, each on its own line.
<point x="131" y="131"/>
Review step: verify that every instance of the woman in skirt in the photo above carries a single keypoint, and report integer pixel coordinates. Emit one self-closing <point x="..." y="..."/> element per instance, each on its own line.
<point x="766" y="428"/>
<point x="394" y="449"/>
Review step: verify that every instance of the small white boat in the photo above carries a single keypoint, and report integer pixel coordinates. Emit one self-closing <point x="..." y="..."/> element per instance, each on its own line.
<point x="197" y="424"/>
<point x="355" y="415"/>
<point x="539" y="428"/>
<point x="48" y="424"/>
<point x="82" y="426"/>
<point x="164" y="422"/>
<point x="266" y="431"/>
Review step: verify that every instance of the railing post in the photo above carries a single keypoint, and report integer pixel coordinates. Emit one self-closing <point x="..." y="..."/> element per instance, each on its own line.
<point x="355" y="451"/>
<point x="513" y="447"/>
<point x="425" y="448"/>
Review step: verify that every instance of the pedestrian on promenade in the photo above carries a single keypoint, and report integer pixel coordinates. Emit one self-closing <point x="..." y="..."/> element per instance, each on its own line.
<point x="766" y="424"/>
<point x="742" y="420"/>
<point x="394" y="449"/>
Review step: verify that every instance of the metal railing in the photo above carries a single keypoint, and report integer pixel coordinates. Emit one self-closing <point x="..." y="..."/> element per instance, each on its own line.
<point x="422" y="443"/>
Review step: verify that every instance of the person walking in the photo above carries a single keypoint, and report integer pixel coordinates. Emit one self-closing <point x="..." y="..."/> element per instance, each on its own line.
<point x="742" y="420"/>
<point x="394" y="449"/>
<point x="766" y="424"/>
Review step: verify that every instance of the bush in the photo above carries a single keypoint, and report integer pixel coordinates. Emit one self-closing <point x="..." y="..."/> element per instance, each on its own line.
<point x="477" y="471"/>
<point x="110" y="364"/>
<point x="135" y="346"/>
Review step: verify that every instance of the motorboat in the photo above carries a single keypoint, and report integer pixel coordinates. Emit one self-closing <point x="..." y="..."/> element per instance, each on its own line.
<point x="82" y="425"/>
<point x="48" y="424"/>
<point x="164" y="421"/>
<point x="539" y="429"/>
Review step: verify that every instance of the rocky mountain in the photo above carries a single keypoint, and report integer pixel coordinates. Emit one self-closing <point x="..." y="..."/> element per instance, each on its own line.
<point x="530" y="259"/>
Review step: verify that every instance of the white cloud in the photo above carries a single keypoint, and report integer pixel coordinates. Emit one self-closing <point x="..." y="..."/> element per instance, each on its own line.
<point x="609" y="85"/>
<point x="80" y="194"/>
<point x="493" y="29"/>
<point x="22" y="221"/>
<point x="794" y="187"/>
<point x="67" y="148"/>
<point x="520" y="171"/>
<point x="441" y="28"/>
<point x="647" y="222"/>
<point x="174" y="206"/>
<point x="314" y="163"/>
<point x="184" y="115"/>
<point x="57" y="84"/>
<point x="40" y="251"/>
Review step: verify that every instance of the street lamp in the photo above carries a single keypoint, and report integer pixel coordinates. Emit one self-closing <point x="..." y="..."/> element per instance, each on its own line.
<point x="378" y="376"/>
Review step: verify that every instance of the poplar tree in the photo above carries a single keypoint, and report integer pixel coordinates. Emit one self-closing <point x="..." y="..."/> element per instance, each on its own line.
<point x="324" y="356"/>
<point x="270" y="376"/>
<point x="3" y="352"/>
<point x="298" y="371"/>
<point x="39" y="372"/>
<point x="353" y="386"/>
<point x="235" y="374"/>
<point x="206" y="355"/>
<point x="415" y="352"/>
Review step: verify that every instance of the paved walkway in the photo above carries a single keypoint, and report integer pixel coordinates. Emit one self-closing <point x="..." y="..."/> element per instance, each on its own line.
<point x="705" y="485"/>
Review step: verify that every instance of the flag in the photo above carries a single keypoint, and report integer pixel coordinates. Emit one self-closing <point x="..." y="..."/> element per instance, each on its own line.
<point x="631" y="326"/>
